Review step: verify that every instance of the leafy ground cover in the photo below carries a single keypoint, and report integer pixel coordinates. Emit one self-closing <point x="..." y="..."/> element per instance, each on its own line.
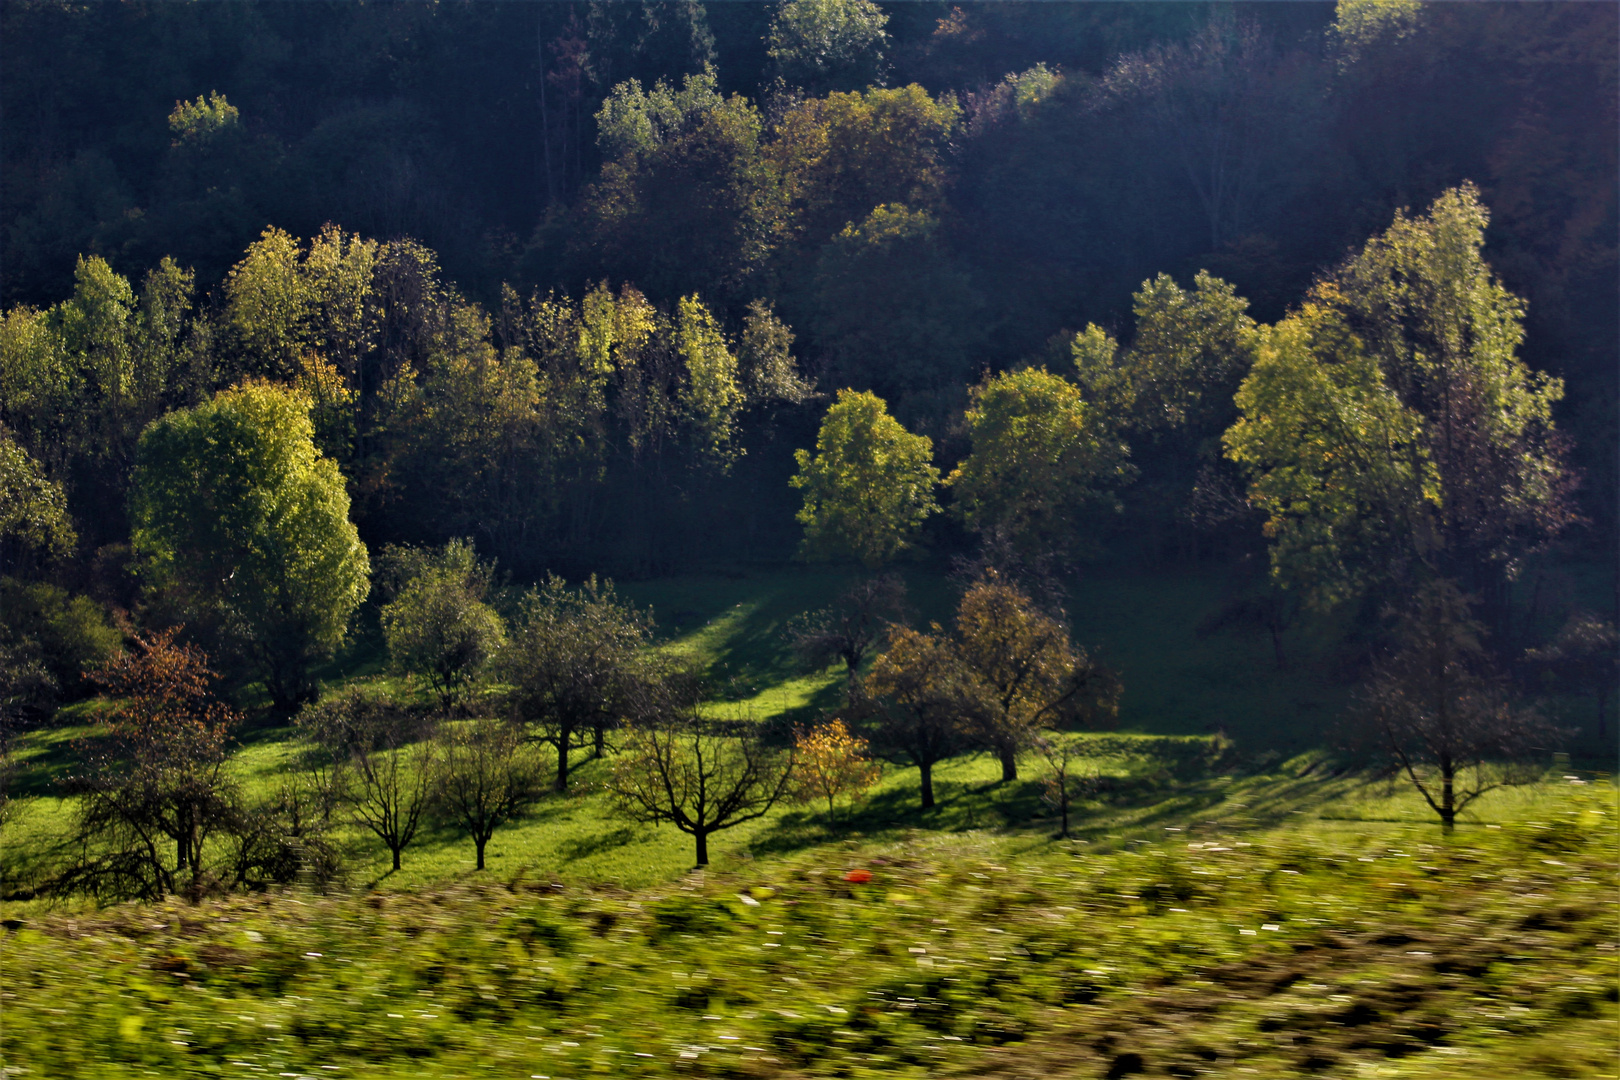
<point x="1197" y="947"/>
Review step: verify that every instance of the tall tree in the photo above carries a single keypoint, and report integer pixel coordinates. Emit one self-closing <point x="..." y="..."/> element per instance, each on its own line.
<point x="1040" y="455"/>
<point x="236" y="515"/>
<point x="868" y="486"/>
<point x="1389" y="426"/>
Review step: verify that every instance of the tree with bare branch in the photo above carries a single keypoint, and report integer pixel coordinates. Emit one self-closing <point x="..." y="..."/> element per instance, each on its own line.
<point x="1442" y="715"/>
<point x="700" y="776"/>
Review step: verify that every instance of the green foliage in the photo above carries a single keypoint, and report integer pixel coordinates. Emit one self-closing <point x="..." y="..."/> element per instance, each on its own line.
<point x="1190" y="349"/>
<point x="197" y="122"/>
<point x="573" y="663"/>
<point x="33" y="510"/>
<point x="869" y="485"/>
<point x="710" y="394"/>
<point x="1390" y="422"/>
<point x="1334" y="458"/>
<point x="633" y="121"/>
<point x="71" y="635"/>
<point x="237" y="516"/>
<point x="438" y="623"/>
<point x="821" y="45"/>
<point x="1040" y="455"/>
<point x="894" y="311"/>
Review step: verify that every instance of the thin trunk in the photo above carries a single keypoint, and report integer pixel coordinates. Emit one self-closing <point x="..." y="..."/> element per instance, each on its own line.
<point x="599" y="741"/>
<point x="395" y="850"/>
<point x="564" y="736"/>
<point x="480" y="841"/>
<point x="1276" y="646"/>
<point x="1009" y="763"/>
<point x="927" y="770"/>
<point x="1063" y="807"/>
<point x="702" y="838"/>
<point x="1448" y="809"/>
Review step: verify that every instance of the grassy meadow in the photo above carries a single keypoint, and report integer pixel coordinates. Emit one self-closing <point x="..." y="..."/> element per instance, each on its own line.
<point x="1231" y="901"/>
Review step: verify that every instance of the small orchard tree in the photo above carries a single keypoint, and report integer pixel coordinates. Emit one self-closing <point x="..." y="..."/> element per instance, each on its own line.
<point x="438" y="623"/>
<point x="677" y="768"/>
<point x="239" y="519"/>
<point x="1066" y="779"/>
<point x="153" y="786"/>
<point x="573" y="664"/>
<point x="849" y="630"/>
<point x="485" y="774"/>
<point x="1023" y="672"/>
<point x="831" y="763"/>
<point x="919" y="693"/>
<point x="869" y="485"/>
<point x="1442" y="716"/>
<point x="383" y="763"/>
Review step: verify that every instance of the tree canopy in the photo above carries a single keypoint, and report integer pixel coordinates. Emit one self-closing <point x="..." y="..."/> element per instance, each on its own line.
<point x="239" y="518"/>
<point x="868" y="486"/>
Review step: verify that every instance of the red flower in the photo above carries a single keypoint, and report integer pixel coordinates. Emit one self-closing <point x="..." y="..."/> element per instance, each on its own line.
<point x="858" y="877"/>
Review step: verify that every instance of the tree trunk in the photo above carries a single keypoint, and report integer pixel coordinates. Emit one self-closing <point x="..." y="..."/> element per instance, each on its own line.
<point x="480" y="841"/>
<point x="927" y="770"/>
<point x="395" y="850"/>
<point x="1009" y="764"/>
<point x="1448" y="808"/>
<point x="599" y="740"/>
<point x="702" y="839"/>
<point x="565" y="735"/>
<point x="1063" y="808"/>
<point x="1276" y="647"/>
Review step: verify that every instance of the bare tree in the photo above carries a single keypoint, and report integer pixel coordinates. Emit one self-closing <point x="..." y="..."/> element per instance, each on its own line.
<point x="1442" y="715"/>
<point x="383" y="760"/>
<point x="697" y="775"/>
<point x="486" y="774"/>
<point x="1065" y="779"/>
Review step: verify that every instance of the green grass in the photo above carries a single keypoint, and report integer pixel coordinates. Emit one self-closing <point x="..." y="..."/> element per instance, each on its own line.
<point x="1198" y="946"/>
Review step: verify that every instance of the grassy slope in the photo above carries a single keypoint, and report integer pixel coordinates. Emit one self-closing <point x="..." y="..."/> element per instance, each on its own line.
<point x="1210" y="949"/>
<point x="1176" y="683"/>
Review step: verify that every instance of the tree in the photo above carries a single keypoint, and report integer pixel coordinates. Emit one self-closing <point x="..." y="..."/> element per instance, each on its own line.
<point x="1585" y="656"/>
<point x="383" y="760"/>
<point x="485" y="775"/>
<point x="236" y="514"/>
<point x="154" y="786"/>
<point x="849" y="630"/>
<point x="822" y="45"/>
<point x="33" y="510"/>
<point x="679" y="769"/>
<point x="438" y="623"/>
<point x="829" y="762"/>
<point x="1040" y="454"/>
<point x="1023" y="671"/>
<point x="1440" y="714"/>
<point x="920" y="692"/>
<point x="868" y="486"/>
<point x="1065" y="779"/>
<point x="573" y="664"/>
<point x="1389" y="429"/>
